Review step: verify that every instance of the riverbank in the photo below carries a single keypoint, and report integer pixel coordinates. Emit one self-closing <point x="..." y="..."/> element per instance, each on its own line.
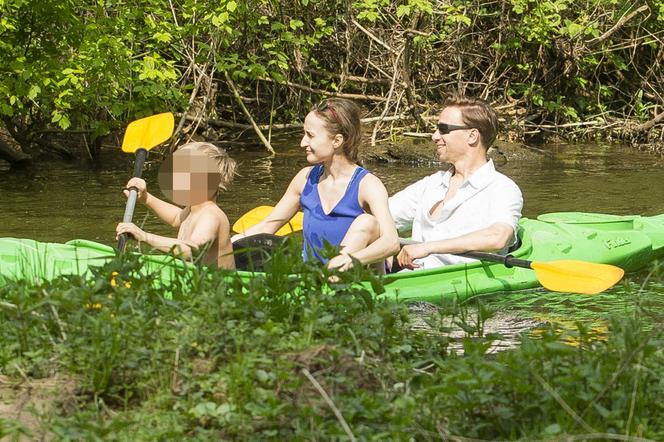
<point x="403" y="146"/>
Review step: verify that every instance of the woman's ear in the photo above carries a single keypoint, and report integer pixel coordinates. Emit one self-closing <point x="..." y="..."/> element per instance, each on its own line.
<point x="338" y="140"/>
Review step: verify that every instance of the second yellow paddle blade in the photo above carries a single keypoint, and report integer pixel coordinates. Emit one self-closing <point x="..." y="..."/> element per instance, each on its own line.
<point x="148" y="132"/>
<point x="258" y="214"/>
<point x="577" y="276"/>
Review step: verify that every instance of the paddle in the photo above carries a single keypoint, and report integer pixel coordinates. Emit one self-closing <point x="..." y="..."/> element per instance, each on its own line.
<point x="141" y="136"/>
<point x="558" y="276"/>
<point x="258" y="214"/>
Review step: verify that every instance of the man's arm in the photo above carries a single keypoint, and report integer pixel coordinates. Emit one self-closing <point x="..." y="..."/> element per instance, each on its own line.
<point x="495" y="237"/>
<point x="403" y="205"/>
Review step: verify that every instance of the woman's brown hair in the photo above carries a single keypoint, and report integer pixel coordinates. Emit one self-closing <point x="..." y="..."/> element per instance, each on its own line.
<point x="341" y="116"/>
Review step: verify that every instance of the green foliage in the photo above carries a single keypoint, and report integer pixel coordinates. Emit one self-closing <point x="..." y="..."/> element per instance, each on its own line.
<point x="228" y="358"/>
<point x="78" y="64"/>
<point x="95" y="66"/>
<point x="541" y="19"/>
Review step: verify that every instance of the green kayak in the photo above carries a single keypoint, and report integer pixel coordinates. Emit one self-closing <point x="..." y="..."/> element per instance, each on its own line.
<point x="629" y="242"/>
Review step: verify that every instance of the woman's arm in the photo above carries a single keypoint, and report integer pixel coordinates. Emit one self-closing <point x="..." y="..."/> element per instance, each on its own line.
<point x="285" y="209"/>
<point x="373" y="195"/>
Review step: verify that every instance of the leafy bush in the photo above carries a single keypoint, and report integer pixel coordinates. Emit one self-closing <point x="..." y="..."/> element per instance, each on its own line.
<point x="281" y="358"/>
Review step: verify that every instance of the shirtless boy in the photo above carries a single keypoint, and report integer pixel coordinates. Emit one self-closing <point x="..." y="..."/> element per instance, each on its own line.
<point x="192" y="177"/>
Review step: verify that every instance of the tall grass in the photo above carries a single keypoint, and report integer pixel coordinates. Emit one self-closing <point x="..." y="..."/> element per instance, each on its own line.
<point x="279" y="358"/>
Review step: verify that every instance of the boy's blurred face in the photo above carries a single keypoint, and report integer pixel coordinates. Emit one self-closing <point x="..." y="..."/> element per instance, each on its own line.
<point x="189" y="178"/>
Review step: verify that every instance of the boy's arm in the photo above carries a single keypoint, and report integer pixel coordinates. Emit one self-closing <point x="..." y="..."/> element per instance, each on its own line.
<point x="168" y="213"/>
<point x="205" y="232"/>
<point x="163" y="243"/>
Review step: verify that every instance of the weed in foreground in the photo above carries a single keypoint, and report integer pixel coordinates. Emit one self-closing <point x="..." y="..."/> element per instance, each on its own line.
<point x="281" y="357"/>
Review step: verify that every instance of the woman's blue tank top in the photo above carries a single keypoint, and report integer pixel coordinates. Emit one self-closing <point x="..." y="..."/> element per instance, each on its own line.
<point x="318" y="227"/>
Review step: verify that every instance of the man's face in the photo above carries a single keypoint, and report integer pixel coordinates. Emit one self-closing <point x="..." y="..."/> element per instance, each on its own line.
<point x="189" y="177"/>
<point x="451" y="145"/>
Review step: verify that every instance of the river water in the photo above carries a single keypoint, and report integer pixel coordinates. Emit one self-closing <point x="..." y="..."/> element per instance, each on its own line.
<point x="57" y="202"/>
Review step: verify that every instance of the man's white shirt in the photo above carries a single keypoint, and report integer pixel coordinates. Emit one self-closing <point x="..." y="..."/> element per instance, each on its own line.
<point x="485" y="198"/>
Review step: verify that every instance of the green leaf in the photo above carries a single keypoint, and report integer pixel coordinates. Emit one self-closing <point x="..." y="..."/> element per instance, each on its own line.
<point x="296" y="24"/>
<point x="64" y="122"/>
<point x="403" y="10"/>
<point x="553" y="429"/>
<point x="162" y="37"/>
<point x="6" y="110"/>
<point x="34" y="91"/>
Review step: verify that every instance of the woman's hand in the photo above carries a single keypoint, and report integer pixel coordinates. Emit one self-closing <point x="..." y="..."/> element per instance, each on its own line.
<point x="341" y="262"/>
<point x="133" y="230"/>
<point x="141" y="188"/>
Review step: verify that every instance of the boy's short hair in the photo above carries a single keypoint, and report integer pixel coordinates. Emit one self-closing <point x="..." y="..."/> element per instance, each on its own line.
<point x="226" y="166"/>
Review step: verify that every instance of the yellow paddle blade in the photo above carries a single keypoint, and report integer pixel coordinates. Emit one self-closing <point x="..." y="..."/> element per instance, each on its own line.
<point x="258" y="214"/>
<point x="148" y="132"/>
<point x="577" y="276"/>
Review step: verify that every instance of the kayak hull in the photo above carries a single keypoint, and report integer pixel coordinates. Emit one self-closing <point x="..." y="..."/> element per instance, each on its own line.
<point x="630" y="242"/>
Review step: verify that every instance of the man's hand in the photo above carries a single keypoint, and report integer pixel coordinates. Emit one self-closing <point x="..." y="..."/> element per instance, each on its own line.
<point x="409" y="253"/>
<point x="133" y="230"/>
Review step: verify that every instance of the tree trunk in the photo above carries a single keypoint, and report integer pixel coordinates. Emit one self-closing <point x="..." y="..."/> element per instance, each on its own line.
<point x="10" y="150"/>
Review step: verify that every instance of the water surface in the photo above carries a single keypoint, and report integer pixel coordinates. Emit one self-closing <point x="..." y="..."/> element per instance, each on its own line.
<point x="58" y="202"/>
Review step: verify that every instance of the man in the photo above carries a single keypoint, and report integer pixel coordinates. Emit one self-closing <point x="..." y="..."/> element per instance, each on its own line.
<point x="469" y="207"/>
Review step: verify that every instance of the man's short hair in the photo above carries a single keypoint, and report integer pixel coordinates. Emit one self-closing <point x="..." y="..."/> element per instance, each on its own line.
<point x="478" y="114"/>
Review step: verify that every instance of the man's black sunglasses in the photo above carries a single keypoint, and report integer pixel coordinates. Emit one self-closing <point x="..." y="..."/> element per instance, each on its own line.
<point x="445" y="128"/>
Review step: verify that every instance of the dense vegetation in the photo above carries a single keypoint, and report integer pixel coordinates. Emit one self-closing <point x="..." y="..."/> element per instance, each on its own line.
<point x="549" y="65"/>
<point x="280" y="359"/>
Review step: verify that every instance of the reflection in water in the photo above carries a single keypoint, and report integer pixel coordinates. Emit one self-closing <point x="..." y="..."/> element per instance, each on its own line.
<point x="534" y="311"/>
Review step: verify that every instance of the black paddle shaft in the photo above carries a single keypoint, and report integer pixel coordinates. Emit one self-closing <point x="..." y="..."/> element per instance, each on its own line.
<point x="507" y="260"/>
<point x="141" y="156"/>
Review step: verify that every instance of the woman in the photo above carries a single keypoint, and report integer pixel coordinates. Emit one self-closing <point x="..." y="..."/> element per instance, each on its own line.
<point x="343" y="203"/>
